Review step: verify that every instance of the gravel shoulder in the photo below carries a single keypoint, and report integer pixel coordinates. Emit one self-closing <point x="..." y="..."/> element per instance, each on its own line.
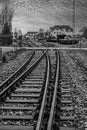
<point x="76" y="62"/>
<point x="7" y="69"/>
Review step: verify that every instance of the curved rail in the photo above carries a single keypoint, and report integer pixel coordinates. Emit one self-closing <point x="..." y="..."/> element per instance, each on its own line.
<point x="50" y="122"/>
<point x="24" y="74"/>
<point x="16" y="74"/>
<point x="38" y="127"/>
<point x="34" y="45"/>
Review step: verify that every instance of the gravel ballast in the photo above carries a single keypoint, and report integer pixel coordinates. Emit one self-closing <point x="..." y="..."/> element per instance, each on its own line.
<point x="8" y="68"/>
<point x="76" y="62"/>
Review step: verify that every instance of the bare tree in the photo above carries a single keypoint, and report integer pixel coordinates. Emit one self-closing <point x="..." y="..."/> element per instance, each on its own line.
<point x="6" y="17"/>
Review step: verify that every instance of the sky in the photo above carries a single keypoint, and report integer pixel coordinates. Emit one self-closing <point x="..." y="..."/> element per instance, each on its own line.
<point x="31" y="15"/>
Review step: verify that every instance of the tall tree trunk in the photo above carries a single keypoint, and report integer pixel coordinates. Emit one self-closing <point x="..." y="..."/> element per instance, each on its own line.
<point x="6" y="18"/>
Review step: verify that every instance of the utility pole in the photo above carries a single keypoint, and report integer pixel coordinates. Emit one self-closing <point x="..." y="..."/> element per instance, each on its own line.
<point x="73" y="17"/>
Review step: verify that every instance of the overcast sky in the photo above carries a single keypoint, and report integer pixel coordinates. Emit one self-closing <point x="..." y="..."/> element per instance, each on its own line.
<point x="35" y="14"/>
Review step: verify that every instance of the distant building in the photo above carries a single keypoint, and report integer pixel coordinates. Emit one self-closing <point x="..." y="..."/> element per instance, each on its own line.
<point x="83" y="32"/>
<point x="83" y="29"/>
<point x="0" y="29"/>
<point x="61" y="29"/>
<point x="32" y="34"/>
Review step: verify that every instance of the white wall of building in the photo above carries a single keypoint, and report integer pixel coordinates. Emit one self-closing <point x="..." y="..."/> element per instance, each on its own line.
<point x="57" y="31"/>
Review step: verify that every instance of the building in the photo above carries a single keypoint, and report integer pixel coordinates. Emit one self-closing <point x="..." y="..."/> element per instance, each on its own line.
<point x="1" y="29"/>
<point x="32" y="34"/>
<point x="83" y="32"/>
<point x="61" y="30"/>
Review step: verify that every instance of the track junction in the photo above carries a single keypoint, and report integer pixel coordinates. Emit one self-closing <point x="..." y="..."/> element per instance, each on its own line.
<point x="38" y="96"/>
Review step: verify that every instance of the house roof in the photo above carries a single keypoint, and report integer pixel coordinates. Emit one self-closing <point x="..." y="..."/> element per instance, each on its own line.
<point x="32" y="32"/>
<point x="83" y="29"/>
<point x="67" y="27"/>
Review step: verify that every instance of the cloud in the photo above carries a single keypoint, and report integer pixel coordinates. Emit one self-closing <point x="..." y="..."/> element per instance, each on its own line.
<point x="33" y="14"/>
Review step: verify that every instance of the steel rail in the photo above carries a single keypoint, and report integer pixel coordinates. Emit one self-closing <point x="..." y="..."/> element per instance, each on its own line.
<point x="34" y="45"/>
<point x="21" y="69"/>
<point x="52" y="111"/>
<point x="22" y="76"/>
<point x="38" y="126"/>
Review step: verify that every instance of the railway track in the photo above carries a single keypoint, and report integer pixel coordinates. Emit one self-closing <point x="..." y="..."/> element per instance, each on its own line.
<point x="27" y="64"/>
<point x="62" y="113"/>
<point x="20" y="100"/>
<point x="17" y="73"/>
<point x="41" y="98"/>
